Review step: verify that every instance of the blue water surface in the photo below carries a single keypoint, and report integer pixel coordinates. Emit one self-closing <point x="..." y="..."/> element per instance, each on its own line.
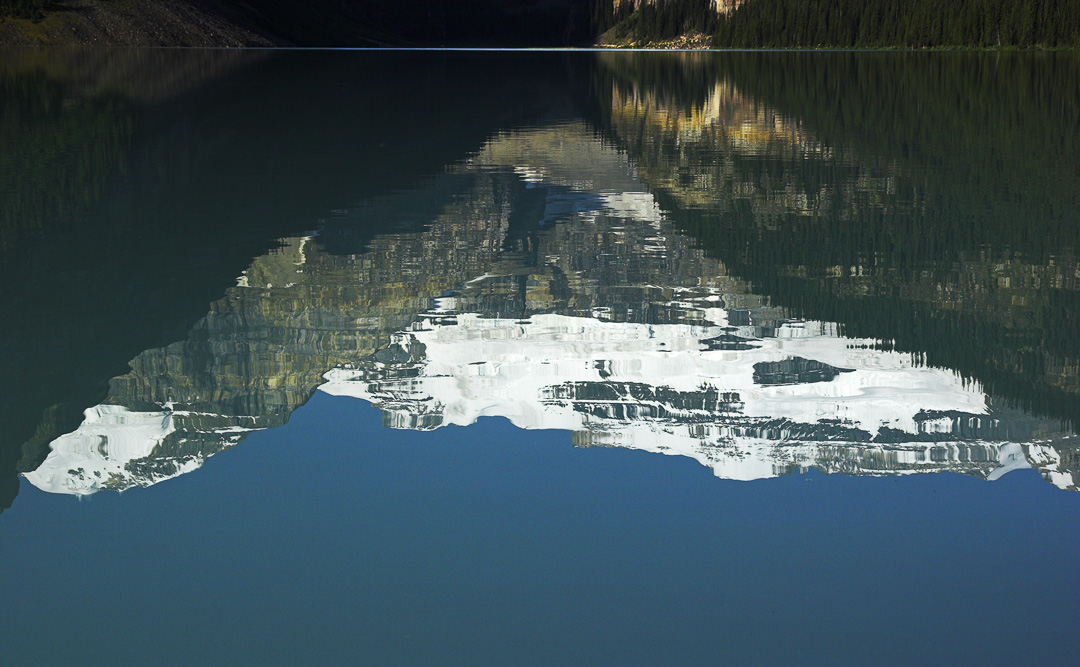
<point x="334" y="540"/>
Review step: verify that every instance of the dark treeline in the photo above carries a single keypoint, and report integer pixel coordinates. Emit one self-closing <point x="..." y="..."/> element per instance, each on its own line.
<point x="853" y="23"/>
<point x="900" y="23"/>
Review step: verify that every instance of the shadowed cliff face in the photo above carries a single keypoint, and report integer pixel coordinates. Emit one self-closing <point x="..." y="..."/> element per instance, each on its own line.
<point x="697" y="270"/>
<point x="538" y="281"/>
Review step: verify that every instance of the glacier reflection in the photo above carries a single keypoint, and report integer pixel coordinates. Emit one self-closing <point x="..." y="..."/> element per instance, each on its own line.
<point x="541" y="282"/>
<point x="660" y="388"/>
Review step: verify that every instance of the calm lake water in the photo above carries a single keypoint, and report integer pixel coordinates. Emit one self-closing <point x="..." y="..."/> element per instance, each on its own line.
<point x="539" y="358"/>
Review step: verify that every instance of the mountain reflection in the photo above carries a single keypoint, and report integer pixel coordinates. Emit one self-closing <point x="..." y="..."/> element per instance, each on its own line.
<point x="930" y="202"/>
<point x="549" y="279"/>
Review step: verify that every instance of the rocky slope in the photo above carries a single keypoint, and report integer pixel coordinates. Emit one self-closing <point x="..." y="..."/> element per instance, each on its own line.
<point x="320" y="23"/>
<point x="158" y="23"/>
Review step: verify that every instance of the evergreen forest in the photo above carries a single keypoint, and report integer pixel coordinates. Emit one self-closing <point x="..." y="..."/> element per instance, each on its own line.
<point x="896" y="23"/>
<point x="851" y="23"/>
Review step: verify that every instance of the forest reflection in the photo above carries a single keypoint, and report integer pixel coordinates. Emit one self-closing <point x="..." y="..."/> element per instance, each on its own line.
<point x="924" y="201"/>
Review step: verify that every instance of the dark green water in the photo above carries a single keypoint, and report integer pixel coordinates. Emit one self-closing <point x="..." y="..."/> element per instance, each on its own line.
<point x="539" y="357"/>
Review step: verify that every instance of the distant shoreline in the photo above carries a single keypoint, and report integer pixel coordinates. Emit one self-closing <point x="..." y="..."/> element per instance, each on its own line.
<point x="204" y="24"/>
<point x="551" y="49"/>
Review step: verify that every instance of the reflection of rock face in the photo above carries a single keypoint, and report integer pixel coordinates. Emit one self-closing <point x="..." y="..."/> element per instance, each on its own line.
<point x="653" y="387"/>
<point x="795" y="370"/>
<point x="538" y="282"/>
<point x="262" y="349"/>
